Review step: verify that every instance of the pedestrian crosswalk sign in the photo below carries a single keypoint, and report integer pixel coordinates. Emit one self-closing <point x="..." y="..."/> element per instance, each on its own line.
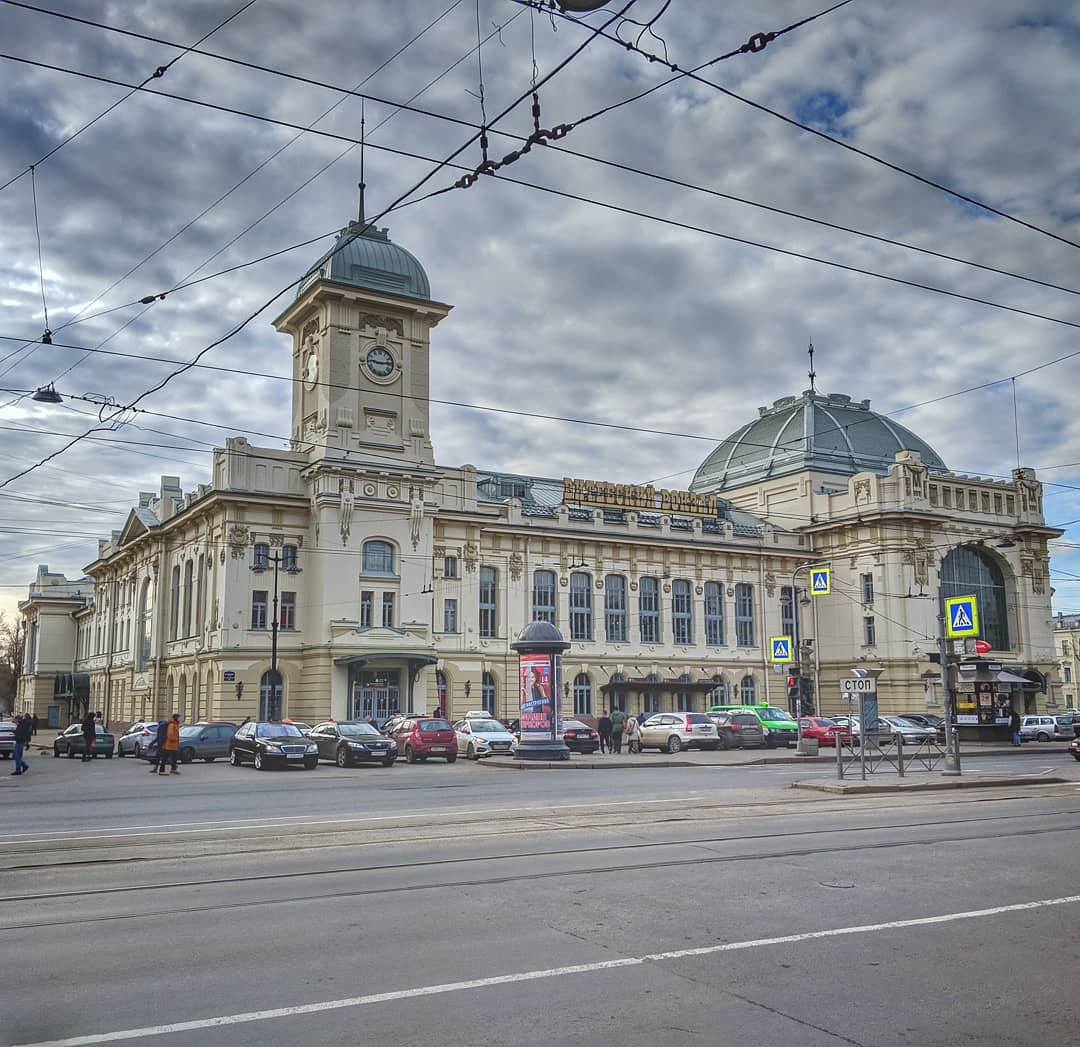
<point x="820" y="582"/>
<point x="781" y="649"/>
<point x="961" y="616"/>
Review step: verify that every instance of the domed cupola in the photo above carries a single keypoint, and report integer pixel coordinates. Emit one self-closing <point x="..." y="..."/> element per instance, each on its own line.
<point x="829" y="433"/>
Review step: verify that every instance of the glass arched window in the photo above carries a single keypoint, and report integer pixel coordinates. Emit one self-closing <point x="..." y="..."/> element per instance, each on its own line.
<point x="442" y="692"/>
<point x="170" y="697"/>
<point x="378" y="558"/>
<point x="582" y="695"/>
<point x="144" y="618"/>
<point x="174" y="604"/>
<point x="189" y="568"/>
<point x="271" y="693"/>
<point x="747" y="690"/>
<point x="970" y="571"/>
<point x="721" y="692"/>
<point x="543" y="601"/>
<point x="181" y="699"/>
<point x="487" y="693"/>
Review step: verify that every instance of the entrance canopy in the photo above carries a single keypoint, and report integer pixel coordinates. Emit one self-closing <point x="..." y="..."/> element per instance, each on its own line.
<point x="414" y="659"/>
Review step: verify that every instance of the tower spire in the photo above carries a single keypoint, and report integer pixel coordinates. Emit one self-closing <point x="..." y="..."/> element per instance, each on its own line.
<point x="811" y="374"/>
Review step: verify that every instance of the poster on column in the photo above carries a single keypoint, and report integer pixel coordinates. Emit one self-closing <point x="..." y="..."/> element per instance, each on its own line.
<point x="537" y="704"/>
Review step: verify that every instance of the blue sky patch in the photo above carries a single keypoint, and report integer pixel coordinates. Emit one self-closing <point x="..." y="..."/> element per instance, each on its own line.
<point x="823" y="110"/>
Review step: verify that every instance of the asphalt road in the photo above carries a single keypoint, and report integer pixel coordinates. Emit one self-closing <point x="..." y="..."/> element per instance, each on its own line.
<point x="467" y="905"/>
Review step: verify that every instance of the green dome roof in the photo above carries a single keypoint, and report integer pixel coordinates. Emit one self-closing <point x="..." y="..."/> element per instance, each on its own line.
<point x="363" y="256"/>
<point x="829" y="433"/>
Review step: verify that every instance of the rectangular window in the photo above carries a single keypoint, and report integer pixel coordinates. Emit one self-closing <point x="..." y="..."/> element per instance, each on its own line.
<point x="998" y="505"/>
<point x="682" y="621"/>
<point x="933" y="494"/>
<point x="580" y="606"/>
<point x="258" y="609"/>
<point x="1067" y="675"/>
<point x="489" y="580"/>
<point x="367" y="601"/>
<point x="450" y="567"/>
<point x="287" y="611"/>
<point x="867" y="588"/>
<point x="946" y="497"/>
<point x="787" y="611"/>
<point x="388" y="610"/>
<point x="1064" y="646"/>
<point x="449" y="616"/>
<point x="649" y="609"/>
<point x="261" y="558"/>
<point x="744" y="615"/>
<point x="714" y="614"/>
<point x="615" y="608"/>
<point x="288" y="557"/>
<point x="869" y="632"/>
<point x="543" y="596"/>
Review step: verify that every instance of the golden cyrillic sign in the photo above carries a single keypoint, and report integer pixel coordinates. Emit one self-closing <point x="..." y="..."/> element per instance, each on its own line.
<point x="630" y="496"/>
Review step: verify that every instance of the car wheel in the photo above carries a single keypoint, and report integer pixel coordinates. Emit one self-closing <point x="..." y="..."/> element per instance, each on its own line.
<point x="389" y="761"/>
<point x="342" y="757"/>
<point x="1042" y="736"/>
<point x="70" y="753"/>
<point x="674" y="744"/>
<point x="451" y="757"/>
<point x="723" y="744"/>
<point x="258" y="761"/>
<point x="187" y="755"/>
<point x="770" y="743"/>
<point x="120" y="751"/>
<point x="310" y="765"/>
<point x="1076" y="756"/>
<point x="410" y="756"/>
<point x="108" y="756"/>
<point x="138" y="751"/>
<point x="471" y="754"/>
<point x="234" y="758"/>
<point x="56" y="751"/>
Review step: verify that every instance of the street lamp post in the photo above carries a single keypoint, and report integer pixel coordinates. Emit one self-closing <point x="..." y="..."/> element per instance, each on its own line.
<point x="951" y="763"/>
<point x="290" y="568"/>
<point x="796" y="645"/>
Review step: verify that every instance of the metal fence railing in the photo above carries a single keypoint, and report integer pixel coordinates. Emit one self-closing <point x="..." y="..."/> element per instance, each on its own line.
<point x="886" y="753"/>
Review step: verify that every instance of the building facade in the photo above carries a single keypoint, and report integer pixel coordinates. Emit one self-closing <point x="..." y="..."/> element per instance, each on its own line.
<point x="395" y="582"/>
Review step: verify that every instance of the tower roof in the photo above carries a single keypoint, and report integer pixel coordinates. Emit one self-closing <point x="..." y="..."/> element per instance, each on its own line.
<point x="829" y="433"/>
<point x="363" y="256"/>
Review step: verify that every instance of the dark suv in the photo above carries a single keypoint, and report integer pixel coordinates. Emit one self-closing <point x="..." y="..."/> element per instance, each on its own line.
<point x="419" y="737"/>
<point x="268" y="744"/>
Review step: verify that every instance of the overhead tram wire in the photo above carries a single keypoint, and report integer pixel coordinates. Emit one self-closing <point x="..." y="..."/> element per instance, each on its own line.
<point x="340" y="246"/>
<point x="694" y="75"/>
<point x="159" y="72"/>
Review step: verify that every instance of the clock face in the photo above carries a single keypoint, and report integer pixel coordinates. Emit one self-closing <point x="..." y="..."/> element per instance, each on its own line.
<point x="379" y="361"/>
<point x="311" y="369"/>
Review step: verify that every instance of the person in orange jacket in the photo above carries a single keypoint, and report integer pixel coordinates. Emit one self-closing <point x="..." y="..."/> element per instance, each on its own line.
<point x="171" y="749"/>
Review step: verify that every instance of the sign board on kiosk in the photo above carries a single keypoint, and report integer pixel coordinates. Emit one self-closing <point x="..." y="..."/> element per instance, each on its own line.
<point x="538" y="678"/>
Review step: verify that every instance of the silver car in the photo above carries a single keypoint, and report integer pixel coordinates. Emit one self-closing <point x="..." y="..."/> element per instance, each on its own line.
<point x="7" y="739"/>
<point x="137" y="738"/>
<point x="1044" y="728"/>
<point x="911" y="732"/>
<point x="482" y="736"/>
<point x="673" y="732"/>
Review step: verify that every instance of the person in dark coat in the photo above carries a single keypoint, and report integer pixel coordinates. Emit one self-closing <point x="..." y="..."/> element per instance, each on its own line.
<point x="1014" y="726"/>
<point x="23" y="729"/>
<point x="34" y="723"/>
<point x="158" y="762"/>
<point x="603" y="728"/>
<point x="89" y="733"/>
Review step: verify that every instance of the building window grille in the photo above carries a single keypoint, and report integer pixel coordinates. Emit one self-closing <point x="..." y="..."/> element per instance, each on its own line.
<point x="682" y="621"/>
<point x="378" y="558"/>
<point x="367" y="601"/>
<point x="288" y="557"/>
<point x="747" y="690"/>
<point x="744" y="614"/>
<point x="388" y="610"/>
<point x="174" y="604"/>
<point x="189" y="587"/>
<point x="487" y="693"/>
<point x="489" y="579"/>
<point x="1066" y="675"/>
<point x="869" y="632"/>
<point x="450" y="567"/>
<point x="787" y="610"/>
<point x="580" y="606"/>
<point x="543" y="597"/>
<point x="287" y="611"/>
<point x="582" y="695"/>
<point x="649" y="609"/>
<point x="867" y="588"/>
<point x="449" y="616"/>
<point x="260" y="556"/>
<point x="258" y="609"/>
<point x="615" y="608"/>
<point x="971" y="571"/>
<point x="714" y="614"/>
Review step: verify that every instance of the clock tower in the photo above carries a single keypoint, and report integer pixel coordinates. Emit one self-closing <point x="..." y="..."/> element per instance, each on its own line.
<point x="360" y="326"/>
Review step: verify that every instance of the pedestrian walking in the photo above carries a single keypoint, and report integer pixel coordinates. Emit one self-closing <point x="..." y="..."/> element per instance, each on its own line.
<point x="1014" y="726"/>
<point x="618" y="722"/>
<point x="157" y="761"/>
<point x="632" y="735"/>
<point x="34" y="721"/>
<point x="171" y="749"/>
<point x="603" y="728"/>
<point x="89" y="733"/>
<point x="24" y="727"/>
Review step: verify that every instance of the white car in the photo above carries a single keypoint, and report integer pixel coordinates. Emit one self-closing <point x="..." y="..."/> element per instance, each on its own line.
<point x="482" y="735"/>
<point x="674" y="732"/>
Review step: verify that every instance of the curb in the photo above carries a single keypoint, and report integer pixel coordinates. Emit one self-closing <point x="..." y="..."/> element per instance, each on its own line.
<point x="862" y="788"/>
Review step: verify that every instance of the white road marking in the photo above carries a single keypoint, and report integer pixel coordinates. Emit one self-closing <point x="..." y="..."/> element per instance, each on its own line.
<point x="529" y="976"/>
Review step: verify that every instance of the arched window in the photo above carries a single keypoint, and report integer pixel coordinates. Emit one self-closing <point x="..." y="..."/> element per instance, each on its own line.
<point x="747" y="690"/>
<point x="170" y="697"/>
<point x="271" y="694"/>
<point x="543" y="608"/>
<point x="378" y="558"/>
<point x="487" y="693"/>
<point x="442" y="692"/>
<point x="143" y="622"/>
<point x="181" y="699"/>
<point x="972" y="571"/>
<point x="580" y="606"/>
<point x="174" y="604"/>
<point x="189" y="567"/>
<point x="200" y="602"/>
<point x="721" y="692"/>
<point x="744" y="614"/>
<point x="582" y="695"/>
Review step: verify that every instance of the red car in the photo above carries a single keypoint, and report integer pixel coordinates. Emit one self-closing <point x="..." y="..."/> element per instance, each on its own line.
<point x="824" y="730"/>
<point x="419" y="737"/>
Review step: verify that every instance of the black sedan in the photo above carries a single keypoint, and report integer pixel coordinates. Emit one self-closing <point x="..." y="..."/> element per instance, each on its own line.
<point x="269" y="744"/>
<point x="580" y="737"/>
<point x="348" y="742"/>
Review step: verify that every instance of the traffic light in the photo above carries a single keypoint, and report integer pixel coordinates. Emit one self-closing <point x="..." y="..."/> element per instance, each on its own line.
<point x="794" y="688"/>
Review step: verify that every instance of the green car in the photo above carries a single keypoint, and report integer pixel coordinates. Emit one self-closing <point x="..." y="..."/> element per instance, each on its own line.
<point x="70" y="743"/>
<point x="780" y="728"/>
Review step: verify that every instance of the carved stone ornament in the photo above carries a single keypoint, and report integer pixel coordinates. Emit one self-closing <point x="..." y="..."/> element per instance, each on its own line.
<point x="239" y="537"/>
<point x="516" y="563"/>
<point x="698" y="589"/>
<point x="922" y="569"/>
<point x="392" y="492"/>
<point x="347" y="500"/>
<point x="862" y="490"/>
<point x="370" y="490"/>
<point x="277" y="539"/>
<point x="416" y="517"/>
<point x="599" y="583"/>
<point x="470" y="554"/>
<point x="633" y="587"/>
<point x="221" y="556"/>
<point x="377" y="320"/>
<point x="770" y="583"/>
<point x="667" y="587"/>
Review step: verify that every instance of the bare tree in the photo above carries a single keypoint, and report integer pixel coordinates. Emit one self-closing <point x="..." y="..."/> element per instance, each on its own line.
<point x="12" y="643"/>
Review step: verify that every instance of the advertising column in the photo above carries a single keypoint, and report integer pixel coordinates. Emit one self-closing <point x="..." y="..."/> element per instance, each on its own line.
<point x="539" y="685"/>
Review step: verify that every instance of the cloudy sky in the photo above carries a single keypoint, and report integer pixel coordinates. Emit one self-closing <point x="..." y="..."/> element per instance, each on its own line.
<point x="597" y="282"/>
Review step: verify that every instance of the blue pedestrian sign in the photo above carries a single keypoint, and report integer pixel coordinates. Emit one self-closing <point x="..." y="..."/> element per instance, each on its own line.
<point x="820" y="581"/>
<point x="961" y="616"/>
<point x="781" y="649"/>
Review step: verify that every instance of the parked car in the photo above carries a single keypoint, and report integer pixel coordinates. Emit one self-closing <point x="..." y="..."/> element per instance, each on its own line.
<point x="479" y="735"/>
<point x="137" y="738"/>
<point x="270" y="744"/>
<point x="70" y="742"/>
<point x="303" y="728"/>
<point x="738" y="730"/>
<point x="674" y="732"/>
<point x="1074" y="747"/>
<point x="927" y="720"/>
<point x="780" y="727"/>
<point x="580" y="737"/>
<point x="418" y="737"/>
<point x="205" y="741"/>
<point x="1044" y="728"/>
<point x="912" y="733"/>
<point x="826" y="731"/>
<point x="7" y="739"/>
<point x="348" y="742"/>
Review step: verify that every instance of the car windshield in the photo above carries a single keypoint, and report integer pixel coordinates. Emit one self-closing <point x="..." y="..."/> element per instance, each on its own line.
<point x="899" y="721"/>
<point x="435" y="725"/>
<point x="358" y="730"/>
<point x="745" y="719"/>
<point x="770" y="712"/>
<point x="824" y="721"/>
<point x="188" y="732"/>
<point x="277" y="730"/>
<point x="478" y="725"/>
